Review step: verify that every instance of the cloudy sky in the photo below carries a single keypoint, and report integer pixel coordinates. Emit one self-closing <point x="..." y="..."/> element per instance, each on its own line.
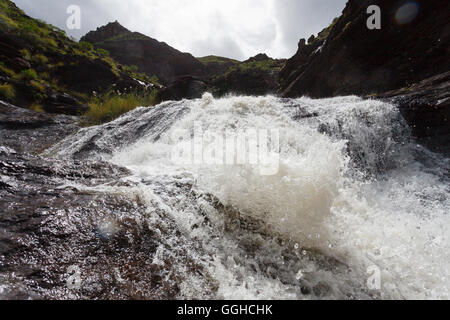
<point x="231" y="28"/>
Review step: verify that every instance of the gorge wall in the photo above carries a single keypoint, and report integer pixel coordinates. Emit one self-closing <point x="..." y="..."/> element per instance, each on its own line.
<point x="412" y="45"/>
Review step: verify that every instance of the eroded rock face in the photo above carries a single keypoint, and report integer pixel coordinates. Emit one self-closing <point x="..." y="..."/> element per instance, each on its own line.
<point x="184" y="88"/>
<point x="355" y="60"/>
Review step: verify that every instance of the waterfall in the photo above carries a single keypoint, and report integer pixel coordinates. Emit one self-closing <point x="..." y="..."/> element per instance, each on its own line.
<point x="352" y="206"/>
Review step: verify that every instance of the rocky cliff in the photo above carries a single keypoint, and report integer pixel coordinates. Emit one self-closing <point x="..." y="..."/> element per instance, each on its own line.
<point x="413" y="44"/>
<point x="149" y="55"/>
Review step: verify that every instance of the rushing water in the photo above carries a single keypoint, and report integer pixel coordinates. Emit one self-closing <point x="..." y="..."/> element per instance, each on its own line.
<point x="354" y="197"/>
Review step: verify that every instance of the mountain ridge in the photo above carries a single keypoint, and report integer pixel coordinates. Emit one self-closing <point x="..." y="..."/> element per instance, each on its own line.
<point x="149" y="55"/>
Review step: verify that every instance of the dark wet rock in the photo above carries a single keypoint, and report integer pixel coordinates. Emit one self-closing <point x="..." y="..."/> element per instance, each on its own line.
<point x="355" y="60"/>
<point x="187" y="87"/>
<point x="149" y="55"/>
<point x="95" y="142"/>
<point x="50" y="231"/>
<point x="426" y="107"/>
<point x="29" y="131"/>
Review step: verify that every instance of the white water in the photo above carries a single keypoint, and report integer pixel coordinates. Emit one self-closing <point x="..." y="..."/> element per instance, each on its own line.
<point x="350" y="194"/>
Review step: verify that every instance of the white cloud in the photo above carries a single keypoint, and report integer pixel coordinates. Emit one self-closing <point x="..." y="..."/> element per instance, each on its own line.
<point x="233" y="28"/>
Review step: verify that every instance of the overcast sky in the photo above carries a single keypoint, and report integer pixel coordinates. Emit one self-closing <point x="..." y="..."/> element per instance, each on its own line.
<point x="231" y="28"/>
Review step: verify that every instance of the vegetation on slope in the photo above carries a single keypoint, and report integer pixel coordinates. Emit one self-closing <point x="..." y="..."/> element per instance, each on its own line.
<point x="255" y="76"/>
<point x="111" y="106"/>
<point x="39" y="61"/>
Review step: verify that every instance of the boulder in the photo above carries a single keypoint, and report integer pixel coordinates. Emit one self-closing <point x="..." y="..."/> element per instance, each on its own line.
<point x="186" y="87"/>
<point x="425" y="106"/>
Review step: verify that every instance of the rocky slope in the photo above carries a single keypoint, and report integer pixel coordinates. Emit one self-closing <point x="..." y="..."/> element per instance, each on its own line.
<point x="349" y="59"/>
<point x="40" y="67"/>
<point x="412" y="45"/>
<point x="149" y="55"/>
<point x="426" y="107"/>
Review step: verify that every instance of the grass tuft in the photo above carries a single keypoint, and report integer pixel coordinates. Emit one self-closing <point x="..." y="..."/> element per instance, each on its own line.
<point x="7" y="91"/>
<point x="111" y="107"/>
<point x="29" y="74"/>
<point x="39" y="59"/>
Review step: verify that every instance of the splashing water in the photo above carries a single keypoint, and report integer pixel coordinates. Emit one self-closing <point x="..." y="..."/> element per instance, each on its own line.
<point x="352" y="193"/>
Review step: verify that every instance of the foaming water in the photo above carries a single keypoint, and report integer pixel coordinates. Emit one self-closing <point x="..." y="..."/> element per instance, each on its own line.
<point x="350" y="198"/>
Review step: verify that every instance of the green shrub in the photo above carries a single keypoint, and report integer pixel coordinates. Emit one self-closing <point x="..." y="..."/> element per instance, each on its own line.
<point x="49" y="42"/>
<point x="155" y="80"/>
<point x="28" y="74"/>
<point x="39" y="59"/>
<point x="86" y="46"/>
<point x="107" y="109"/>
<point x="7" y="91"/>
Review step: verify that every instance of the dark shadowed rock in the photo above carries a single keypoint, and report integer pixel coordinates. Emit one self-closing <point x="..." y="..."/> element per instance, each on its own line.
<point x="426" y="107"/>
<point x="186" y="87"/>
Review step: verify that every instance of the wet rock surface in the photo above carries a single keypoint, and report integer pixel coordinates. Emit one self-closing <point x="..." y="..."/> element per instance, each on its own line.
<point x="63" y="235"/>
<point x="76" y="228"/>
<point x="61" y="241"/>
<point x="28" y="131"/>
<point x="133" y="48"/>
